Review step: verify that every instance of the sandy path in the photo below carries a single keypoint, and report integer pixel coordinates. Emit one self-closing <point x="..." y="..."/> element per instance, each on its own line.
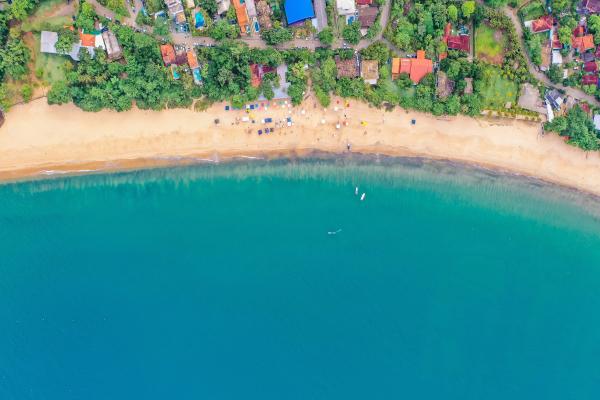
<point x="38" y="137"/>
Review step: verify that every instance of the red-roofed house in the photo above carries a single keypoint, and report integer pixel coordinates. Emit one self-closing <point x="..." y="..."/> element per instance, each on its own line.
<point x="416" y="68"/>
<point x="590" y="66"/>
<point x="590" y="80"/>
<point x="585" y="107"/>
<point x="579" y="31"/>
<point x="456" y="42"/>
<point x="257" y="72"/>
<point x="460" y="42"/>
<point x="583" y="43"/>
<point x="556" y="44"/>
<point x="364" y="2"/>
<point x="168" y="54"/>
<point x="542" y="24"/>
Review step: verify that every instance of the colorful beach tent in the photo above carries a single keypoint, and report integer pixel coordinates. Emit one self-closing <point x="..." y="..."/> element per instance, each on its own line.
<point x="298" y="10"/>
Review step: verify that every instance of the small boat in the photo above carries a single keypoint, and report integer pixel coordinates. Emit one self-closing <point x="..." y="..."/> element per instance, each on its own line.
<point x="356" y="191"/>
<point x="362" y="197"/>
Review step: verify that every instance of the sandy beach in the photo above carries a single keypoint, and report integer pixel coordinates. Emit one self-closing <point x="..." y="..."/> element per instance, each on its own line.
<point x="38" y="139"/>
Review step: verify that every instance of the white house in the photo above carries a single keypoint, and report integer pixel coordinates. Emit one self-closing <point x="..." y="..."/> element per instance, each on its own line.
<point x="346" y="7"/>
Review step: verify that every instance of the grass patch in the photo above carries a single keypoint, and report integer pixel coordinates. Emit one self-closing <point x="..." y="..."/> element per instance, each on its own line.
<point x="118" y="6"/>
<point x="489" y="44"/>
<point x="497" y="90"/>
<point x="533" y="10"/>
<point x="40" y="24"/>
<point x="48" y="67"/>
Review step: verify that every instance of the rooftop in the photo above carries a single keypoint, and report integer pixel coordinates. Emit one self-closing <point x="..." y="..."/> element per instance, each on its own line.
<point x="346" y="68"/>
<point x="298" y="10"/>
<point x="369" y="71"/>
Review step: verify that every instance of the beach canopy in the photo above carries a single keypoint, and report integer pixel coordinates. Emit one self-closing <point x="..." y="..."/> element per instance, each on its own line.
<point x="298" y="10"/>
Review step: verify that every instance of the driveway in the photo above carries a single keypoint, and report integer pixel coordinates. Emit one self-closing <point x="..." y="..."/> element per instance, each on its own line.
<point x="320" y="14"/>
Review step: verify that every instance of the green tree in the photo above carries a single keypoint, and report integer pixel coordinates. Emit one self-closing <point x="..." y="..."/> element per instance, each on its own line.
<point x="496" y="3"/>
<point x="20" y="9"/>
<point x="468" y="8"/>
<point x="564" y="35"/>
<point x="594" y="27"/>
<point x="555" y="73"/>
<point x="222" y="30"/>
<point x="376" y="51"/>
<point x="86" y="17"/>
<point x="277" y="35"/>
<point x="66" y="39"/>
<point x="351" y="33"/>
<point x="14" y="58"/>
<point x="326" y="36"/>
<point x="26" y="92"/>
<point x="59" y="93"/>
<point x="452" y="13"/>
<point x="161" y="27"/>
<point x="210" y="6"/>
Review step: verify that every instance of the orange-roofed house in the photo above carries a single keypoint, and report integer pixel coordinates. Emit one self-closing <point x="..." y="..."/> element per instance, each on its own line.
<point x="192" y="59"/>
<point x="420" y="67"/>
<point x="87" y="40"/>
<point x="168" y="54"/>
<point x="241" y="13"/>
<point x="583" y="43"/>
<point x="416" y="68"/>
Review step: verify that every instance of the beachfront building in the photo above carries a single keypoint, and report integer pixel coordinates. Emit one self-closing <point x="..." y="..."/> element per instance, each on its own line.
<point x="281" y="92"/>
<point x="257" y="72"/>
<point x="89" y="42"/>
<point x="445" y="85"/>
<point x="112" y="46"/>
<point x="347" y="68"/>
<point x="369" y="71"/>
<point x="415" y="68"/>
<point x="298" y="11"/>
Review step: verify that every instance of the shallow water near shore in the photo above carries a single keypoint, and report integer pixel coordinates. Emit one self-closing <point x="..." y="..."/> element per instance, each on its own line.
<point x="228" y="282"/>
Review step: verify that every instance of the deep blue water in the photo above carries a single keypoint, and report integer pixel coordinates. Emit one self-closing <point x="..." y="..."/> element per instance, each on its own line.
<point x="221" y="282"/>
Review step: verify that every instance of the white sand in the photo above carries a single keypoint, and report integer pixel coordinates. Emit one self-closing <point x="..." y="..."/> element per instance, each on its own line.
<point x="38" y="137"/>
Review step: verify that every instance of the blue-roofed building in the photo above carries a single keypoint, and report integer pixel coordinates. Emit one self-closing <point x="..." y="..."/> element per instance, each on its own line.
<point x="298" y="10"/>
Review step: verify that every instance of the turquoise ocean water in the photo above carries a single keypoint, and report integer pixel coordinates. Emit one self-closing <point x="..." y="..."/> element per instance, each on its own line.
<point x="222" y="282"/>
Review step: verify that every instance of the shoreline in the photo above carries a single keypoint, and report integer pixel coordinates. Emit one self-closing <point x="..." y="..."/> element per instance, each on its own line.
<point x="38" y="140"/>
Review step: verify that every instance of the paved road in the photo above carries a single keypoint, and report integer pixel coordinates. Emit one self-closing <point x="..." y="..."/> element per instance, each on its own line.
<point x="539" y="75"/>
<point x="106" y="13"/>
<point x="186" y="39"/>
<point x="320" y="14"/>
